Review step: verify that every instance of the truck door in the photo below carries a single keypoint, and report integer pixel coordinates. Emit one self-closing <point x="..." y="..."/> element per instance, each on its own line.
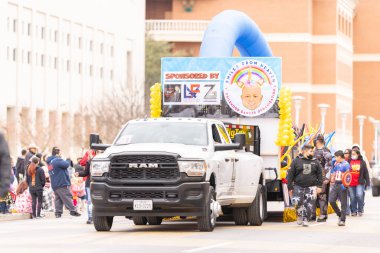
<point x="224" y="160"/>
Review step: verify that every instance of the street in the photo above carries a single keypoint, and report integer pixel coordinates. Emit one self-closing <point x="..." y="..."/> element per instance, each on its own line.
<point x="67" y="234"/>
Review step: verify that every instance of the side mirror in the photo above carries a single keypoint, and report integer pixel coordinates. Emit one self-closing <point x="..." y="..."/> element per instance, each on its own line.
<point x="241" y="140"/>
<point x="95" y="142"/>
<point x="94" y="139"/>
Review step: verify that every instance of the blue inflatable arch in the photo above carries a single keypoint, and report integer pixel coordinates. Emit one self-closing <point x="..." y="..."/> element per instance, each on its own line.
<point x="232" y="28"/>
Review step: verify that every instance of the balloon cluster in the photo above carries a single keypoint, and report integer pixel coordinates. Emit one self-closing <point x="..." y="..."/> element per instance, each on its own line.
<point x="285" y="135"/>
<point x="155" y="100"/>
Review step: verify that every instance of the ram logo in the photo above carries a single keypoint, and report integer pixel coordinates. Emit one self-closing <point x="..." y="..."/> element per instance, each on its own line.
<point x="143" y="165"/>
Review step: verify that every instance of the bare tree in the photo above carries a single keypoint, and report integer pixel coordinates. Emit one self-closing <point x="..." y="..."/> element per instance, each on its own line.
<point x="115" y="109"/>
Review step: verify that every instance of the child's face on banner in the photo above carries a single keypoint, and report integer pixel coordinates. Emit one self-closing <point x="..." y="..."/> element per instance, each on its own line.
<point x="251" y="97"/>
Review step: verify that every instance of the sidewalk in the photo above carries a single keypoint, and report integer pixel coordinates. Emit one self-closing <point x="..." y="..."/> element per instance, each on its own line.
<point x="25" y="216"/>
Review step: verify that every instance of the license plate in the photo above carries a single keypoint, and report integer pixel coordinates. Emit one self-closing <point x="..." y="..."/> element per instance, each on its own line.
<point x="143" y="205"/>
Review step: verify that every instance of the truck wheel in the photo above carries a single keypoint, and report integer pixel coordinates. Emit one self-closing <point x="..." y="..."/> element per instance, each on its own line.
<point x="375" y="191"/>
<point x="207" y="222"/>
<point x="256" y="212"/>
<point x="265" y="197"/>
<point x="240" y="216"/>
<point x="154" y="220"/>
<point x="139" y="220"/>
<point x="103" y="223"/>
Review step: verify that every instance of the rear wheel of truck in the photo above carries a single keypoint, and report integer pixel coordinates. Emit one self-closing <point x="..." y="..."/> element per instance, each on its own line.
<point x="256" y="211"/>
<point x="375" y="191"/>
<point x="139" y="220"/>
<point x="154" y="220"/>
<point x="206" y="223"/>
<point x="240" y="216"/>
<point x="103" y="223"/>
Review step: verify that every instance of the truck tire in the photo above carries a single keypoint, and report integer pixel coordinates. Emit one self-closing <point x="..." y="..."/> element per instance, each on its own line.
<point x="240" y="216"/>
<point x="375" y="191"/>
<point x="255" y="211"/>
<point x="139" y="220"/>
<point x="154" y="220"/>
<point x="206" y="223"/>
<point x="265" y="196"/>
<point x="103" y="223"/>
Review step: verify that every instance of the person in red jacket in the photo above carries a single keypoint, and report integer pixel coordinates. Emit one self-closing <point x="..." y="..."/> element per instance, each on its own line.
<point x="360" y="180"/>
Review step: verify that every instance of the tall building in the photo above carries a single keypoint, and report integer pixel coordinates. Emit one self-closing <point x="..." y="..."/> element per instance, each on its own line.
<point x="329" y="53"/>
<point x="58" y="59"/>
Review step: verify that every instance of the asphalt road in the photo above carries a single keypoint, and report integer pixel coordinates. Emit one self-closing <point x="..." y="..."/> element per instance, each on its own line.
<point x="361" y="234"/>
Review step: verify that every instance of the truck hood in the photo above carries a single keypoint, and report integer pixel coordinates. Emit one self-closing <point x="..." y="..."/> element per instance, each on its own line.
<point x="185" y="151"/>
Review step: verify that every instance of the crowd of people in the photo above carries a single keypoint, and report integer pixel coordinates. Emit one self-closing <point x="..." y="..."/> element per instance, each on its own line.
<point x="317" y="177"/>
<point x="39" y="184"/>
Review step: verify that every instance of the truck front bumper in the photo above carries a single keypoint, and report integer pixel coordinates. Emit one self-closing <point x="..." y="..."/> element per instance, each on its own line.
<point x="186" y="199"/>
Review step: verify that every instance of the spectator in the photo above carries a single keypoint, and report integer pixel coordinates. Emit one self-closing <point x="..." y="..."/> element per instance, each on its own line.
<point x="360" y="180"/>
<point x="87" y="173"/>
<point x="32" y="152"/>
<point x="24" y="199"/>
<point x="20" y="171"/>
<point x="5" y="164"/>
<point x="324" y="157"/>
<point x="304" y="175"/>
<point x="36" y="181"/>
<point x="60" y="182"/>
<point x="347" y="155"/>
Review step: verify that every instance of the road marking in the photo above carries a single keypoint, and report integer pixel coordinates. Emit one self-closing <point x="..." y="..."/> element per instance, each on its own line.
<point x="208" y="247"/>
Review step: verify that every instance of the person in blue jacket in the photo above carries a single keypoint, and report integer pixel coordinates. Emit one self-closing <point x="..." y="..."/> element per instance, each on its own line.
<point x="60" y="182"/>
<point x="338" y="190"/>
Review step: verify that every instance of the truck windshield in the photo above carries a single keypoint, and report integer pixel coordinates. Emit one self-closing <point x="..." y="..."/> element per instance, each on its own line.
<point x="188" y="133"/>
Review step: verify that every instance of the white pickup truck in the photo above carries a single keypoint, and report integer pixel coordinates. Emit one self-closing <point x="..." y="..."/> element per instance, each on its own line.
<point x="168" y="167"/>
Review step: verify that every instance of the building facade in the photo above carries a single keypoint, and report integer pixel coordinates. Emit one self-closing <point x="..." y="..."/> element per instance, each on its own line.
<point x="318" y="42"/>
<point x="56" y="64"/>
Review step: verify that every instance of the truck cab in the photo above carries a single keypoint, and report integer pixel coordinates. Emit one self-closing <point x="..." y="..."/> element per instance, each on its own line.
<point x="166" y="167"/>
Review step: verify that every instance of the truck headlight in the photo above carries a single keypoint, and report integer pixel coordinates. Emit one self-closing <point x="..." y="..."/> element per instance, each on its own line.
<point x="98" y="168"/>
<point x="193" y="168"/>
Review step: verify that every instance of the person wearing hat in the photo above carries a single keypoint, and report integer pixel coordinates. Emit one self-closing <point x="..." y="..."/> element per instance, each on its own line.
<point x="60" y="183"/>
<point x="32" y="151"/>
<point x="324" y="157"/>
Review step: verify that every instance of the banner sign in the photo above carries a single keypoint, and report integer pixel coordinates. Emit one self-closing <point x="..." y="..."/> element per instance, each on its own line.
<point x="225" y="87"/>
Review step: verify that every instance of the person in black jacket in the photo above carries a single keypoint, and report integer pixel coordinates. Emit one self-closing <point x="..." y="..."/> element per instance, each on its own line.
<point x="36" y="181"/>
<point x="304" y="175"/>
<point x="5" y="167"/>
<point x="20" y="171"/>
<point x="87" y="173"/>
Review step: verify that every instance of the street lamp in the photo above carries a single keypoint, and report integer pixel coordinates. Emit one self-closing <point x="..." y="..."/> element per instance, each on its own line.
<point x="361" y="119"/>
<point x="376" y="125"/>
<point x="297" y="105"/>
<point x="323" y="108"/>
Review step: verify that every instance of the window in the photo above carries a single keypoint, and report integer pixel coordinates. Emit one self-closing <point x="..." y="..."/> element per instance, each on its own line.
<point x="111" y="51"/>
<point x="215" y="135"/>
<point x="29" y="29"/>
<point x="68" y="66"/>
<point x="91" y="70"/>
<point x="42" y="60"/>
<point x="68" y="39"/>
<point x="14" y="25"/>
<point x="91" y="45"/>
<point x="101" y="73"/>
<point x="55" y="62"/>
<point x="55" y="36"/>
<point x="42" y="33"/>
<point x="111" y="74"/>
<point x="80" y="68"/>
<point x="224" y="134"/>
<point x="79" y="42"/>
<point x="14" y="57"/>
<point x="101" y="48"/>
<point x="29" y="57"/>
